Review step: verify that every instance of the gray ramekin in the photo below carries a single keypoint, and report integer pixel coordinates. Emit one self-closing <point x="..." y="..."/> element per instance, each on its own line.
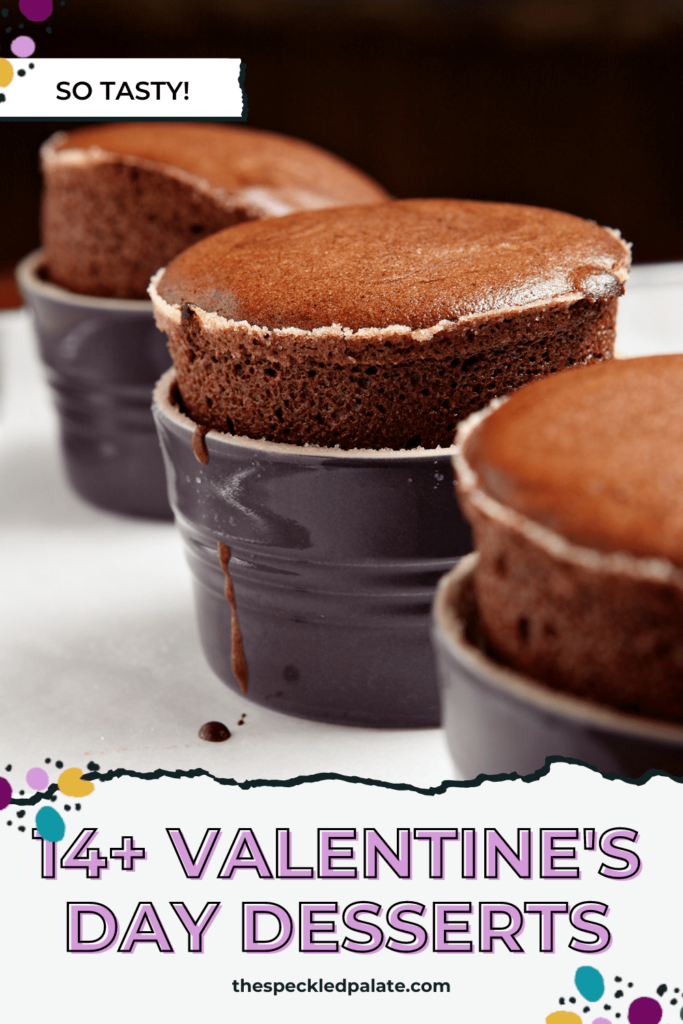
<point x="103" y="358"/>
<point x="498" y="721"/>
<point x="334" y="557"/>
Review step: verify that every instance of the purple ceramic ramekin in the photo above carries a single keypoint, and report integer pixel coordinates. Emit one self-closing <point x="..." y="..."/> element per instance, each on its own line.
<point x="103" y="358"/>
<point x="331" y="559"/>
<point x="498" y="721"/>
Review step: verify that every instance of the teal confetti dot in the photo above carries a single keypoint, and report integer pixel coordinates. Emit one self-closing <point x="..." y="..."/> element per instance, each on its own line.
<point x="590" y="983"/>
<point x="50" y="824"/>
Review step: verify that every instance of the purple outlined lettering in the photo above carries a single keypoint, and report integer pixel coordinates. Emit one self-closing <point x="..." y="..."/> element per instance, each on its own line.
<point x="75" y="943"/>
<point x="546" y="922"/>
<point x="579" y="920"/>
<point x="244" y="853"/>
<point x="629" y="859"/>
<point x="283" y="857"/>
<point x="507" y="932"/>
<point x="352" y="919"/>
<point x="436" y="837"/>
<point x="375" y="846"/>
<point x="552" y="851"/>
<point x="469" y="853"/>
<point x="328" y="853"/>
<point x="196" y="929"/>
<point x="497" y="849"/>
<point x="194" y="867"/>
<point x="251" y="943"/>
<point x="446" y="924"/>
<point x="48" y="856"/>
<point x="310" y="925"/>
<point x="396" y="920"/>
<point x="145" y="926"/>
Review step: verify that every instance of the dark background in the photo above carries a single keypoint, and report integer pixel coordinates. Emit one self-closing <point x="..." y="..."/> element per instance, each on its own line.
<point x="573" y="104"/>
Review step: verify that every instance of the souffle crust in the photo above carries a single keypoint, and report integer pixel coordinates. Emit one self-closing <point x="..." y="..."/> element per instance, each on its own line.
<point x="121" y="200"/>
<point x="573" y="489"/>
<point x="414" y="263"/>
<point x="384" y="325"/>
<point x="610" y="439"/>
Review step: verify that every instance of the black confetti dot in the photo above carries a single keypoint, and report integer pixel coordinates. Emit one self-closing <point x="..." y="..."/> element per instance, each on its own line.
<point x="21" y="72"/>
<point x="586" y="1009"/>
<point x="607" y="1006"/>
<point x="67" y="807"/>
<point x="9" y="822"/>
<point x="53" y="798"/>
<point x="8" y="767"/>
<point x="92" y="767"/>
<point x="78" y="807"/>
<point x="5" y="12"/>
<point x="8" y="29"/>
<point x="571" y="999"/>
<point x="59" y="764"/>
<point x="49" y="31"/>
<point x="31" y="66"/>
<point x="618" y="994"/>
<point x="673" y="1002"/>
<point x="20" y="814"/>
<point x="561" y="1000"/>
<point x="2" y="97"/>
<point x="21" y="792"/>
<point x="661" y="989"/>
<point x="22" y="828"/>
<point x="617" y="979"/>
<point x="630" y="985"/>
<point x="47" y="760"/>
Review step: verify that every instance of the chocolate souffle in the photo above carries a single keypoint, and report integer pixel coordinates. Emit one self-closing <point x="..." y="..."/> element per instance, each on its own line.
<point x="121" y="200"/>
<point x="574" y="490"/>
<point x="382" y="326"/>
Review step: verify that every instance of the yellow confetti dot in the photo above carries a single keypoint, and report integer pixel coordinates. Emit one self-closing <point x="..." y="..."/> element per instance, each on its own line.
<point x="71" y="784"/>
<point x="563" y="1017"/>
<point x="6" y="72"/>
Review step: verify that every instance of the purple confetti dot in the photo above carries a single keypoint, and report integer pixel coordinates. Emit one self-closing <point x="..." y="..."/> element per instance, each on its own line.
<point x="644" y="1011"/>
<point x="37" y="778"/>
<point x="36" y="10"/>
<point x="23" y="46"/>
<point x="5" y="793"/>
